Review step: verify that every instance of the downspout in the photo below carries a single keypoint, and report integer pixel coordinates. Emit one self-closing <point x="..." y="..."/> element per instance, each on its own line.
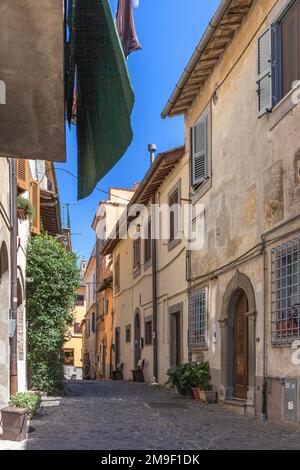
<point x="14" y="293"/>
<point x="152" y="150"/>
<point x="264" y="406"/>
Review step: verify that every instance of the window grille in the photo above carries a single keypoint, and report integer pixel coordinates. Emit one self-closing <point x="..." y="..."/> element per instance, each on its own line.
<point x="285" y="292"/>
<point x="198" y="318"/>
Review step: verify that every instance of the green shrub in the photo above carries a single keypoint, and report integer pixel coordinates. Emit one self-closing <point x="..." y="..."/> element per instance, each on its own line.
<point x="30" y="401"/>
<point x="50" y="300"/>
<point x="187" y="376"/>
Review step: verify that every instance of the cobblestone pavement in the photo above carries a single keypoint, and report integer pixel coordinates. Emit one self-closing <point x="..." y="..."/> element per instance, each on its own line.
<point x="117" y="415"/>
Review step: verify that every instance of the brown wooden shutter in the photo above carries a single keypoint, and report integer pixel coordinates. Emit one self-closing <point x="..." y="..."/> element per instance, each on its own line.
<point x="173" y="200"/>
<point x="35" y="201"/>
<point x="22" y="174"/>
<point x="148" y="243"/>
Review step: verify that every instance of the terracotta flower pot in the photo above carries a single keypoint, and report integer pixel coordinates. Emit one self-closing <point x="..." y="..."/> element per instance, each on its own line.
<point x="21" y="213"/>
<point x="196" y="393"/>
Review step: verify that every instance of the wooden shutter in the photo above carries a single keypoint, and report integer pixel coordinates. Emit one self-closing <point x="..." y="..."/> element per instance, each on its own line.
<point x="264" y="72"/>
<point x="137" y="253"/>
<point x="199" y="151"/>
<point x="117" y="272"/>
<point x="22" y="174"/>
<point x="173" y="201"/>
<point x="148" y="243"/>
<point x="35" y="201"/>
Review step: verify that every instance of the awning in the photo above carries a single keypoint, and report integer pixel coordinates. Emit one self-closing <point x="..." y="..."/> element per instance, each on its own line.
<point x="104" y="96"/>
<point x="50" y="213"/>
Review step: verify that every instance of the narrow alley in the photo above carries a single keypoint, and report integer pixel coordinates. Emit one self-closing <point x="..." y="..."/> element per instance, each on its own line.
<point x="124" y="416"/>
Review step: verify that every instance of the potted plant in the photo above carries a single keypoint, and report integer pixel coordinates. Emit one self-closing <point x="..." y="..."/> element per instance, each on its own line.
<point x="14" y="418"/>
<point x="188" y="377"/>
<point x="209" y="394"/>
<point x="24" y="208"/>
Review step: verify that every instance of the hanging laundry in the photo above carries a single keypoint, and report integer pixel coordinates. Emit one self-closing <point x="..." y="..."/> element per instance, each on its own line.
<point x="104" y="95"/>
<point x="126" y="27"/>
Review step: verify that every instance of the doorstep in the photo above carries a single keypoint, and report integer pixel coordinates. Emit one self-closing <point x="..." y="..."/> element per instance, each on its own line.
<point x="240" y="407"/>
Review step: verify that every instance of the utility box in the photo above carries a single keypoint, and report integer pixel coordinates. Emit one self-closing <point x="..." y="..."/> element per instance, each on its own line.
<point x="32" y="117"/>
<point x="290" y="400"/>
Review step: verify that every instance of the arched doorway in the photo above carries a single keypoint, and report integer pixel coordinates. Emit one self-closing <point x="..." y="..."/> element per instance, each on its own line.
<point x="137" y="338"/>
<point x="238" y="340"/>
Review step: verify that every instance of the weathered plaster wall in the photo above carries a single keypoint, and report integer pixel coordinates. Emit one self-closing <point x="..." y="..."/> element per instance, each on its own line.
<point x="5" y="281"/>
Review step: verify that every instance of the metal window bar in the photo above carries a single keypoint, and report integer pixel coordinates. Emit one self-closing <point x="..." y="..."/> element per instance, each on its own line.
<point x="285" y="292"/>
<point x="198" y="318"/>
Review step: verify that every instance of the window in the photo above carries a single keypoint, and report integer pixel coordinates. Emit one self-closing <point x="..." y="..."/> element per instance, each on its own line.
<point x="199" y="151"/>
<point x="94" y="287"/>
<point x="87" y="327"/>
<point x="137" y="254"/>
<point x="285" y="292"/>
<point x="198" y="318"/>
<point x="117" y="273"/>
<point x="77" y="329"/>
<point x="79" y="301"/>
<point x="148" y="332"/>
<point x="279" y="58"/>
<point x="174" y="200"/>
<point x="148" y="243"/>
<point x="128" y="334"/>
<point x="69" y="357"/>
<point x="93" y="322"/>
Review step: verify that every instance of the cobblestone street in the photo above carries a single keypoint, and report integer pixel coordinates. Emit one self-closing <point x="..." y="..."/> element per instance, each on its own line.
<point x="117" y="415"/>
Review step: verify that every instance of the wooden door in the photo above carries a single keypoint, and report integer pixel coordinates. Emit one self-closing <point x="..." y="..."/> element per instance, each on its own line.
<point x="175" y="340"/>
<point x="137" y="340"/>
<point x="241" y="348"/>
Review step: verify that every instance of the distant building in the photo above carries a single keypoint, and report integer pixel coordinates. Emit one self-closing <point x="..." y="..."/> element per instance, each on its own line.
<point x="73" y="344"/>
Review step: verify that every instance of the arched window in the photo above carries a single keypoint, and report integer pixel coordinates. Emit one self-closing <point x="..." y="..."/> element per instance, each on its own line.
<point x="3" y="261"/>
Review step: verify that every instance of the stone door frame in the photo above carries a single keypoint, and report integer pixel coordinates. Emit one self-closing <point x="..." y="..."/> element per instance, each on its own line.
<point x="240" y="282"/>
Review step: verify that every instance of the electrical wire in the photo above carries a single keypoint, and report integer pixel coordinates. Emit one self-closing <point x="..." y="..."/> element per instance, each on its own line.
<point x="76" y="177"/>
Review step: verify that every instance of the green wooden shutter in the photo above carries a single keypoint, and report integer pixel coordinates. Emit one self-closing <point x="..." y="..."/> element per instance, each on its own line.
<point x="264" y="72"/>
<point x="199" y="141"/>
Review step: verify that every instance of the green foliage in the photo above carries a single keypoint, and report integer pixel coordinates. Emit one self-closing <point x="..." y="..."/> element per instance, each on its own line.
<point x="30" y="401"/>
<point x="25" y="204"/>
<point x="50" y="299"/>
<point x="187" y="376"/>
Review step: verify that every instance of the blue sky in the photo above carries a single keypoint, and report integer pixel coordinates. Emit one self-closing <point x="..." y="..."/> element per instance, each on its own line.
<point x="169" y="31"/>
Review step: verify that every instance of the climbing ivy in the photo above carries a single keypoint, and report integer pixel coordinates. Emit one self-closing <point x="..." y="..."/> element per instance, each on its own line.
<point x="50" y="300"/>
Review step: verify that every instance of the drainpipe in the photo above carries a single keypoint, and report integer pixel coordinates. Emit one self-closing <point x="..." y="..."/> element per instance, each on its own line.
<point x="152" y="150"/>
<point x="14" y="299"/>
<point x="265" y="287"/>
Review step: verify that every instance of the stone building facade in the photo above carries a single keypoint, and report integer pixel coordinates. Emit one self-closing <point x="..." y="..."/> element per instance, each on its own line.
<point x="239" y="97"/>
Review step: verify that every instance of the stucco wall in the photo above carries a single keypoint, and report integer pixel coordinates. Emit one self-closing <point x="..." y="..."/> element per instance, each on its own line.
<point x="135" y="294"/>
<point x="5" y="282"/>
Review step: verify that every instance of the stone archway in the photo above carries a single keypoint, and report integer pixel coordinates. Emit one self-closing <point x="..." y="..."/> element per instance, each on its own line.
<point x="240" y="285"/>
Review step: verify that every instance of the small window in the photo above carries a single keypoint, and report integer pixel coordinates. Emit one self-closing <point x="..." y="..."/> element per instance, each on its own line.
<point x="148" y="333"/>
<point x="69" y="357"/>
<point x="93" y="322"/>
<point x="285" y="292"/>
<point x="174" y="200"/>
<point x="198" y="318"/>
<point x="79" y="301"/>
<point x="137" y="254"/>
<point x="77" y="329"/>
<point x="117" y="273"/>
<point x="87" y="328"/>
<point x="128" y="334"/>
<point x="148" y="243"/>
